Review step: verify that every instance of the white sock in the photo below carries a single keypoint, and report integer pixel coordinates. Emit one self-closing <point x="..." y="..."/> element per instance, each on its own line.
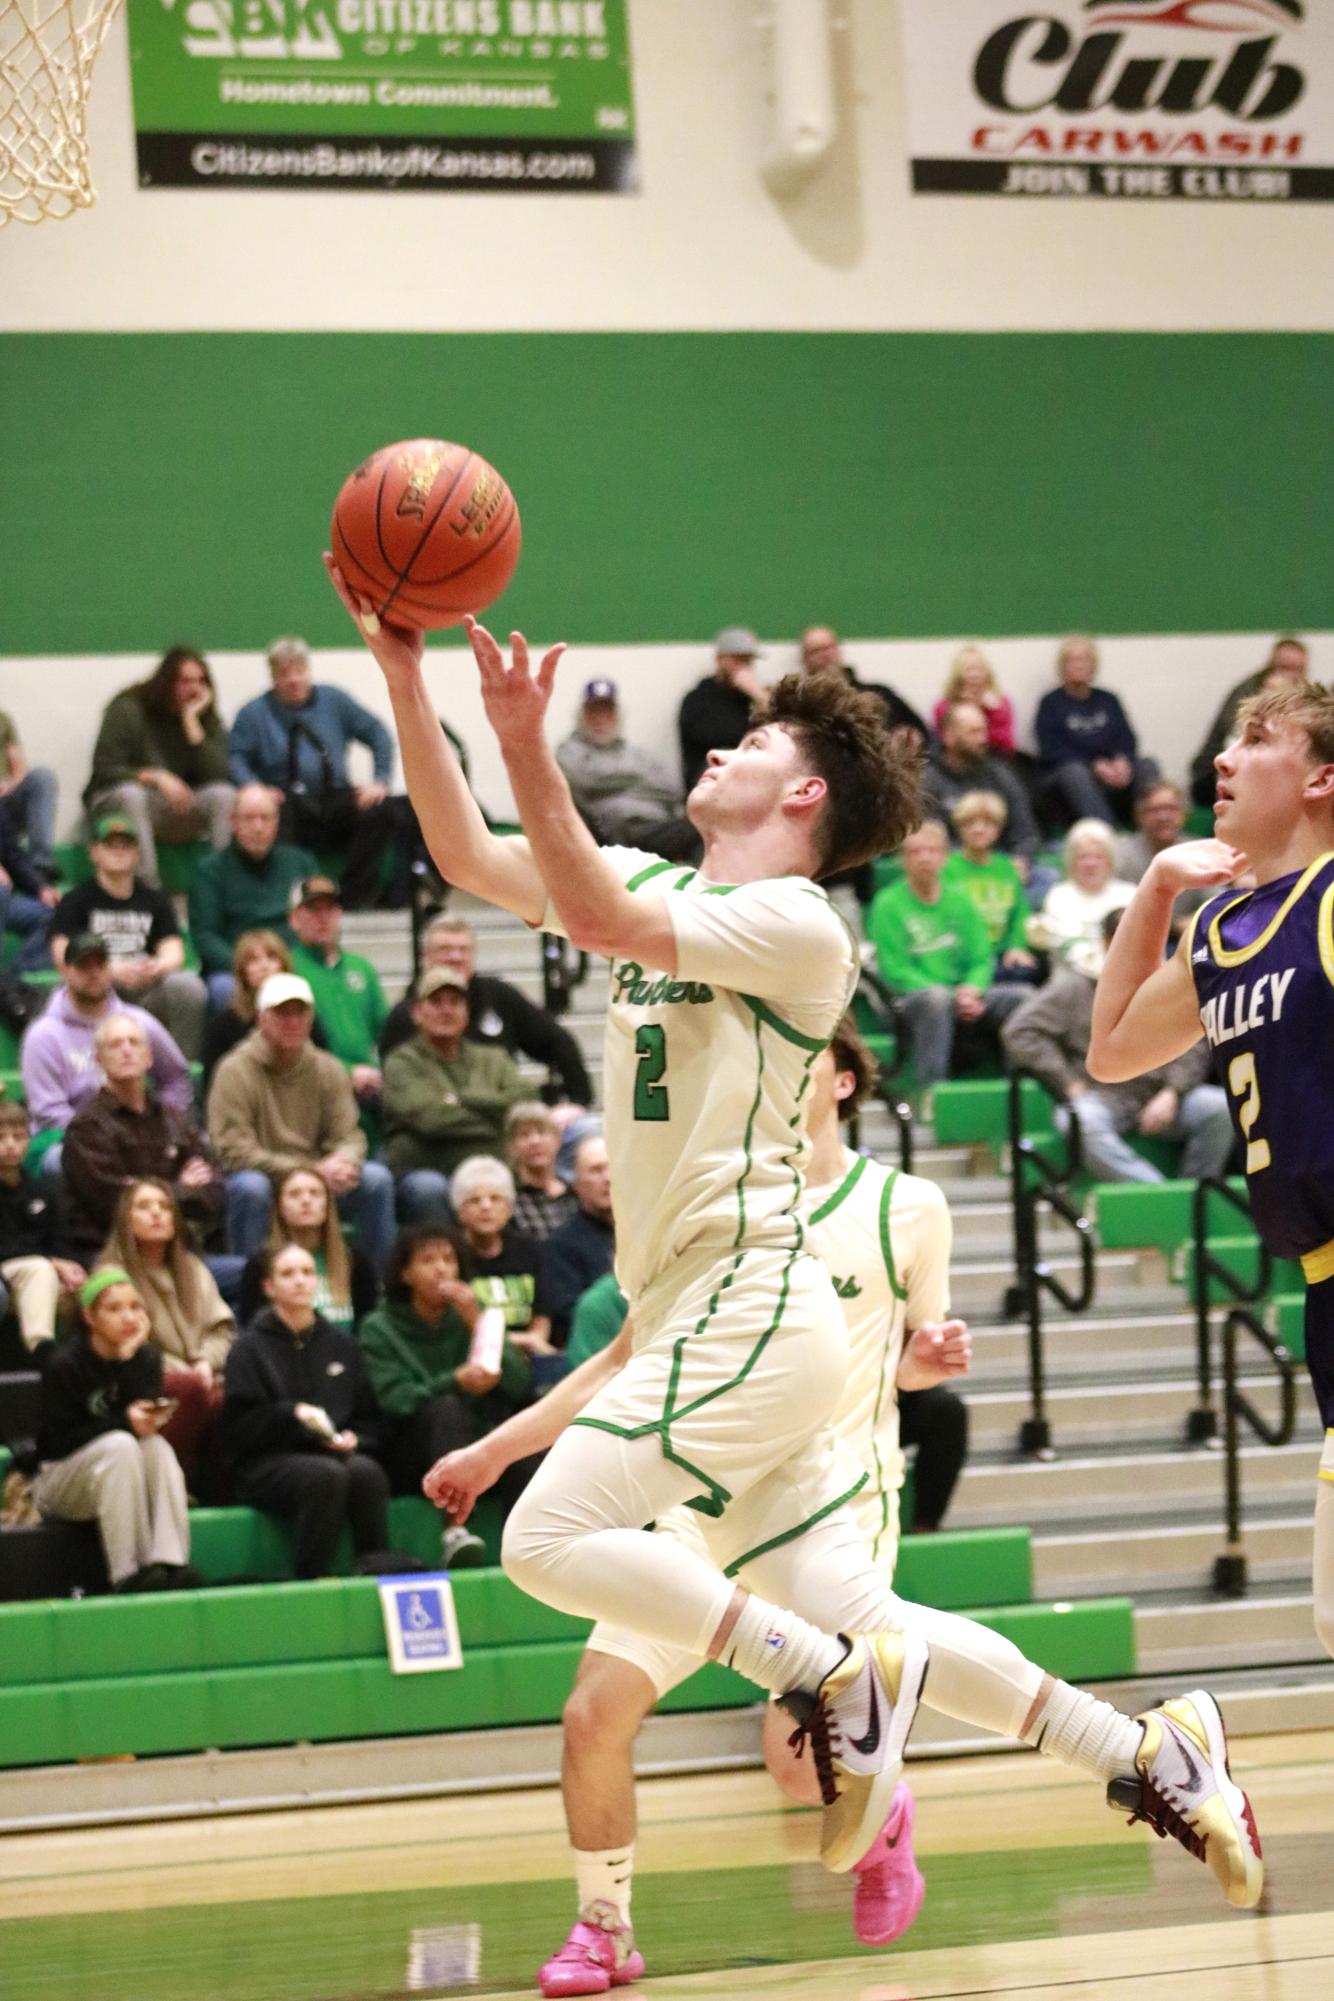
<point x="603" y="1878"/>
<point x="779" y="1650"/>
<point x="1079" y="1730"/>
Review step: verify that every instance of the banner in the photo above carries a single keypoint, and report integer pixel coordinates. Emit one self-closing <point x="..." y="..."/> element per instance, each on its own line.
<point x="1123" y="100"/>
<point x="513" y="96"/>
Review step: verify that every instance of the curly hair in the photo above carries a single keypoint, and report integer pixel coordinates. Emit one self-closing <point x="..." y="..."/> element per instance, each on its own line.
<point x="872" y="775"/>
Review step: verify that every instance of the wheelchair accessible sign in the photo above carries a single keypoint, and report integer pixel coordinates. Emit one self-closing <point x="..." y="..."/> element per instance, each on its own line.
<point x="420" y="1623"/>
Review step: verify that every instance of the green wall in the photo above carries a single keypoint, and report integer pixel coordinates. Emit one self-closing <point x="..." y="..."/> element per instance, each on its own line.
<point x="167" y="486"/>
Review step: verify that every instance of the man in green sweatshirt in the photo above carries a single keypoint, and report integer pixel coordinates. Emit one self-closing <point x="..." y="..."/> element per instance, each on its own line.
<point x="444" y="1096"/>
<point x="350" y="1006"/>
<point x="935" y="952"/>
<point x="243" y="887"/>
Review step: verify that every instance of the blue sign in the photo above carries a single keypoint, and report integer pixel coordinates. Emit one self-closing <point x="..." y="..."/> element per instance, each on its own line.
<point x="420" y="1624"/>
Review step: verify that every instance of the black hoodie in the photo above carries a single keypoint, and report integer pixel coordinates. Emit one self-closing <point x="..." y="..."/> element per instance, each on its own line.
<point x="271" y="1370"/>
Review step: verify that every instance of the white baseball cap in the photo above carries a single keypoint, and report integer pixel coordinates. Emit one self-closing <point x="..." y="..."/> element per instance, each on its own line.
<point x="282" y="987"/>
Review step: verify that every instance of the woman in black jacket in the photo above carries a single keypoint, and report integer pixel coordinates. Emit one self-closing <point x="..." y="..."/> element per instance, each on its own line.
<point x="300" y="1423"/>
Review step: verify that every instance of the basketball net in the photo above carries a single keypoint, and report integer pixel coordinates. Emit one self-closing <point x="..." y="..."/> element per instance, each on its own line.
<point x="47" y="52"/>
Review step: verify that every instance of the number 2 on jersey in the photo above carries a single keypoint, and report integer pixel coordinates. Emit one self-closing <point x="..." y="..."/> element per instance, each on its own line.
<point x="650" y="1092"/>
<point x="1243" y="1083"/>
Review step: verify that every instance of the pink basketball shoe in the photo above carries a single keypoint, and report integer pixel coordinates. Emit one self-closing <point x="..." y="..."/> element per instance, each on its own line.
<point x="594" y="1958"/>
<point x="889" y="1884"/>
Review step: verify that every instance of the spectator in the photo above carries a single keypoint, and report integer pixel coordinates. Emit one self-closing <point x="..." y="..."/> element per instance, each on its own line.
<point x="125" y="1132"/>
<point x="61" y="1069"/>
<point x="161" y="759"/>
<point x="1070" y="923"/>
<point x="29" y="792"/>
<point x="991" y="881"/>
<point x="1049" y="1035"/>
<point x="542" y="1201"/>
<point x="349" y="1002"/>
<point x="715" y="715"/>
<point x="497" y="1012"/>
<point x="417" y="1349"/>
<point x="598" y="1317"/>
<point x="934" y="952"/>
<point x="278" y="1103"/>
<point x="255" y="955"/>
<point x="1288" y="661"/>
<point x="142" y="935"/>
<point x="33" y="1270"/>
<point x="294" y="739"/>
<point x="445" y="1097"/>
<point x="500" y="1264"/>
<point x="1160" y="817"/>
<point x="1086" y="747"/>
<point x="346" y="1287"/>
<point x="244" y="888"/>
<point x="189" y="1322"/>
<point x="102" y="1456"/>
<point x="300" y="1424"/>
<point x="822" y="653"/>
<point x="624" y="793"/>
<point x="582" y="1250"/>
<point x="26" y="899"/>
<point x="972" y="678"/>
<point x="959" y="763"/>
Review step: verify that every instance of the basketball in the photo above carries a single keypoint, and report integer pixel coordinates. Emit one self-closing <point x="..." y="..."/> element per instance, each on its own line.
<point x="428" y="531"/>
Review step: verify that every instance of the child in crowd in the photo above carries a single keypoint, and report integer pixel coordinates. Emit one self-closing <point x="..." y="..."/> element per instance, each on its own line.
<point x="190" y="1324"/>
<point x="300" y="1423"/>
<point x="303" y="1214"/>
<point x="103" y="1457"/>
<point x="417" y="1348"/>
<point x="499" y="1262"/>
<point x="991" y="882"/>
<point x="542" y="1201"/>
<point x="33" y="1274"/>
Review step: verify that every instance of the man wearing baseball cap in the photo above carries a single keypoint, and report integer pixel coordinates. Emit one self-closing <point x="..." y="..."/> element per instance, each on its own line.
<point x="143" y="939"/>
<point x="624" y="793"/>
<point x="715" y="715"/>
<point x="276" y="1103"/>
<point x="349" y="1001"/>
<point x="445" y="1097"/>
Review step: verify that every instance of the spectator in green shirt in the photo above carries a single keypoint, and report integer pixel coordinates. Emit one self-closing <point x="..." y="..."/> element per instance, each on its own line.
<point x="243" y="887"/>
<point x="992" y="882"/>
<point x="598" y="1318"/>
<point x="350" y="1006"/>
<point x="936" y="955"/>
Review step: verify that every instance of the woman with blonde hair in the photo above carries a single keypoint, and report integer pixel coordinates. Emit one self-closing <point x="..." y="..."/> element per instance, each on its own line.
<point x="190" y="1324"/>
<point x="972" y="678"/>
<point x="255" y="956"/>
<point x="346" y="1287"/>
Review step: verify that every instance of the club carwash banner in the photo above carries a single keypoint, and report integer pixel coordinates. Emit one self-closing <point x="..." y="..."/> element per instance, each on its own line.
<point x="513" y="96"/>
<point x="1129" y="100"/>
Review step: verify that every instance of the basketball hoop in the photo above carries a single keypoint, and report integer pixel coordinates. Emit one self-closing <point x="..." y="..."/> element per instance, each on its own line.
<point x="47" y="52"/>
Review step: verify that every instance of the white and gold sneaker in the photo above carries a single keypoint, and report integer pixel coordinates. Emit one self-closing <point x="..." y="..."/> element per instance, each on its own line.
<point x="1184" y="1788"/>
<point x="857" y="1725"/>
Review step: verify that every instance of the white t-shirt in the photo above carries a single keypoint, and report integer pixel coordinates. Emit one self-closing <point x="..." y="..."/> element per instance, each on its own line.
<point x="705" y="1074"/>
<point x="885" y="1238"/>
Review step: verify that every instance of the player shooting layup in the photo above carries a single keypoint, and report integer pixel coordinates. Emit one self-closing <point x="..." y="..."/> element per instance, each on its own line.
<point x="726" y="985"/>
<point x="1255" y="973"/>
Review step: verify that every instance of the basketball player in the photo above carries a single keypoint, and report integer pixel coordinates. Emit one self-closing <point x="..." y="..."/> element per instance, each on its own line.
<point x="885" y="1237"/>
<point x="1255" y="973"/>
<point x="727" y="983"/>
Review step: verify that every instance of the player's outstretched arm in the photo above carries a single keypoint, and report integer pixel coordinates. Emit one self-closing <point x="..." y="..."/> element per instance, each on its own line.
<point x="462" y="846"/>
<point x="596" y="910"/>
<point x="1145" y="1012"/>
<point x="455" y="1482"/>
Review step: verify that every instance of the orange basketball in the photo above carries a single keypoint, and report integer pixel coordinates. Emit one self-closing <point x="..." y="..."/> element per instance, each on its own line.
<point x="428" y="531"/>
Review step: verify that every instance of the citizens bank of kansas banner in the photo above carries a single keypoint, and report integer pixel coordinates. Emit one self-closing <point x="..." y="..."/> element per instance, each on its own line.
<point x="1131" y="100"/>
<point x="515" y="96"/>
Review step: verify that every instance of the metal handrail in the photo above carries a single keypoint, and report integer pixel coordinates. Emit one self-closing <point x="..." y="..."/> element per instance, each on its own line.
<point x="1230" y="1569"/>
<point x="1036" y="1178"/>
<point x="1202" y="1423"/>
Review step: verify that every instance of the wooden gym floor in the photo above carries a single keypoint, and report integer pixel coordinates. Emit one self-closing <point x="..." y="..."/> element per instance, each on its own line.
<point x="1034" y="1890"/>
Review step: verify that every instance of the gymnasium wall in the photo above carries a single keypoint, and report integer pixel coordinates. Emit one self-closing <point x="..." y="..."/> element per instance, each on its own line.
<point x="922" y="418"/>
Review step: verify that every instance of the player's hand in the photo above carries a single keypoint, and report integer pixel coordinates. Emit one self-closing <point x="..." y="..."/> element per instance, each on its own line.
<point x="455" y="1481"/>
<point x="515" y="699"/>
<point x="397" y="649"/>
<point x="474" y="1380"/>
<point x="934" y="1353"/>
<point x="1196" y="865"/>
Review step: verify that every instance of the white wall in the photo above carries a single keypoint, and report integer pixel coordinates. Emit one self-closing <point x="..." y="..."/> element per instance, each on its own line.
<point x="704" y="246"/>
<point x="1171" y="685"/>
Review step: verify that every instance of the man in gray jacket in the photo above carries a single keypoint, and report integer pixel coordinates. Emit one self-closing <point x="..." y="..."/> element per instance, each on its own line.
<point x="1049" y="1035"/>
<point x="624" y="794"/>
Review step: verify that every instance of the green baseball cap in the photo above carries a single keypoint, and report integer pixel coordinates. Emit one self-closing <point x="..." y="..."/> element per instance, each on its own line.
<point x="115" y="823"/>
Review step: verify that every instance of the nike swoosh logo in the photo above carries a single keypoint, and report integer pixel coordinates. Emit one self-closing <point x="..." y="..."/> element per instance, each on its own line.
<point x="1193" y="1774"/>
<point x="870" y="1743"/>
